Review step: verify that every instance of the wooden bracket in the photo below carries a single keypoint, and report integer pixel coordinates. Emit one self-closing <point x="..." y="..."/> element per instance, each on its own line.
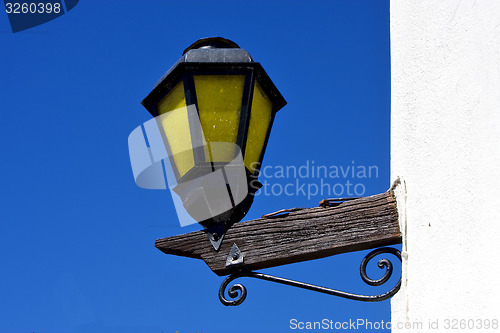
<point x="298" y="235"/>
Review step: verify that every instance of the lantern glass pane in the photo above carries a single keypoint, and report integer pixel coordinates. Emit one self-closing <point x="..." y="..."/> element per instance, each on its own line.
<point x="219" y="105"/>
<point x="174" y="120"/>
<point x="260" y="118"/>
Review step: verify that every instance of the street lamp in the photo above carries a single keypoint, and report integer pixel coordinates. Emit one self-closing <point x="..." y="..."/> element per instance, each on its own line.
<point x="215" y="108"/>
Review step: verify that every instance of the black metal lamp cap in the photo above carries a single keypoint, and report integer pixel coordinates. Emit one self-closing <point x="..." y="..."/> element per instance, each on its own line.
<point x="212" y="42"/>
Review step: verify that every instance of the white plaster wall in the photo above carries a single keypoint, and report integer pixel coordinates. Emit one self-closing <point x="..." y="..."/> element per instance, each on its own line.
<point x="445" y="143"/>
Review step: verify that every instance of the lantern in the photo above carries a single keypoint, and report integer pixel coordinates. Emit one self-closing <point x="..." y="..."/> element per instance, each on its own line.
<point x="215" y="108"/>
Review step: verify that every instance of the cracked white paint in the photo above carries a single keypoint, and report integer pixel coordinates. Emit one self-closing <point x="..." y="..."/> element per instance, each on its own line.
<point x="445" y="144"/>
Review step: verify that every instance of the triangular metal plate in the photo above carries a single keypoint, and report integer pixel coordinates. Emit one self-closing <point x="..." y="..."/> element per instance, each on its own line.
<point x="216" y="234"/>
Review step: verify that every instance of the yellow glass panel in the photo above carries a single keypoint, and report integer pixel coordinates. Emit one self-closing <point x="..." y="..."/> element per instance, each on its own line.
<point x="219" y="103"/>
<point x="174" y="120"/>
<point x="260" y="118"/>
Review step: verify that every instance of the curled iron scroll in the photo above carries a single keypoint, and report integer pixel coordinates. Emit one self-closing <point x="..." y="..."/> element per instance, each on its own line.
<point x="238" y="292"/>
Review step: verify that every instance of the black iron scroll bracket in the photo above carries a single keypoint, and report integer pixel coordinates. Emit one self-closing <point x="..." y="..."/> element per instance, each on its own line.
<point x="238" y="292"/>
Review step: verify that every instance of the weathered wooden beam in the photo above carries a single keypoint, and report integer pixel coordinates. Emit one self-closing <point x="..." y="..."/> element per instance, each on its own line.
<point x="300" y="235"/>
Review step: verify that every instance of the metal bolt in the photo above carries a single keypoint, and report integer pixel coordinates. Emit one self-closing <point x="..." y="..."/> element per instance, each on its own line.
<point x="236" y="255"/>
<point x="215" y="236"/>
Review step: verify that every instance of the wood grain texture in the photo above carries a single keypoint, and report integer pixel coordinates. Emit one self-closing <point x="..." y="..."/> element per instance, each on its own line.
<point x="306" y="234"/>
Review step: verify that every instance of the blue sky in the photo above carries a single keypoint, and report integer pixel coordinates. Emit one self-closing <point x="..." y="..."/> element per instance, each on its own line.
<point x="77" y="235"/>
